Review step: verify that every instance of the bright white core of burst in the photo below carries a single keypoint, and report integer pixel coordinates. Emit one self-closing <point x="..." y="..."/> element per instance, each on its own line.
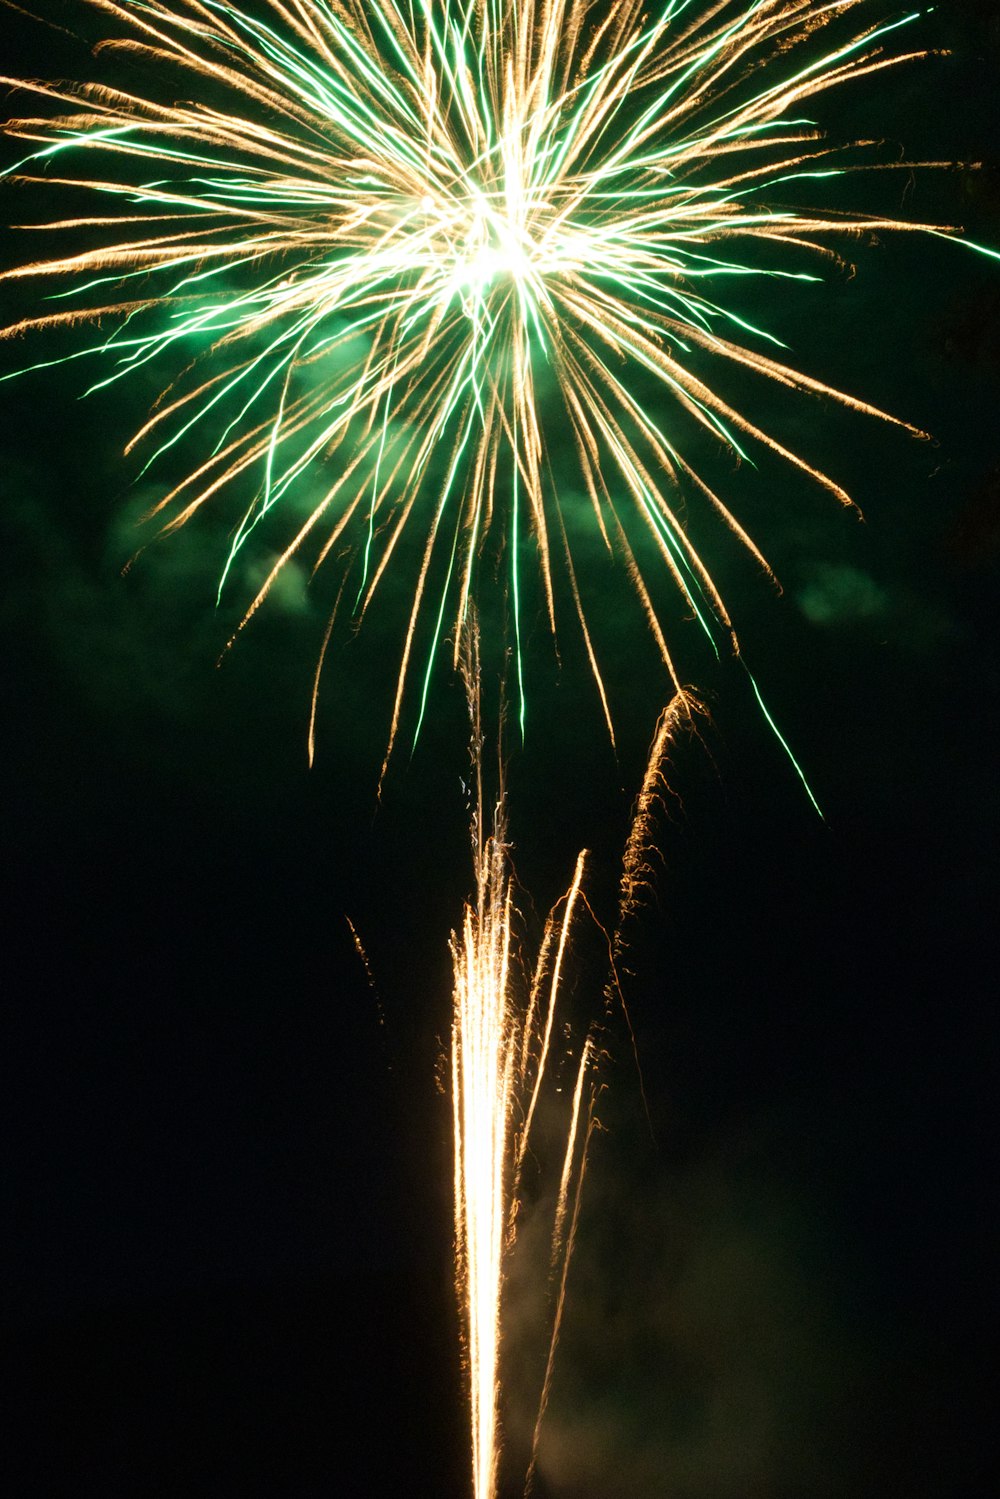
<point x="483" y="245"/>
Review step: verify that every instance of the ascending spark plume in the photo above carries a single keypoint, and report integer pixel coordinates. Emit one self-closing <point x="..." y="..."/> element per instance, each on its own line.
<point x="499" y="1053"/>
<point x="403" y="257"/>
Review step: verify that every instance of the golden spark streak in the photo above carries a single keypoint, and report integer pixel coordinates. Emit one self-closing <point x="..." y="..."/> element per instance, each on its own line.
<point x="500" y="1048"/>
<point x="679" y="714"/>
<point x="497" y="1066"/>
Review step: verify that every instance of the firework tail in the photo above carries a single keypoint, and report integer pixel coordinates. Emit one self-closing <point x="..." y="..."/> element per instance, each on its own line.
<point x="500" y="1051"/>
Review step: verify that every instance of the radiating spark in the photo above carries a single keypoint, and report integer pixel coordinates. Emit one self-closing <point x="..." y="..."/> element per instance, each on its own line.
<point x="402" y="257"/>
<point x="499" y="1053"/>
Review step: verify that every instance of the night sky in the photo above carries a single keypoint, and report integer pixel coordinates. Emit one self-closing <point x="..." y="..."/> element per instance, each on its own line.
<point x="226" y="1182"/>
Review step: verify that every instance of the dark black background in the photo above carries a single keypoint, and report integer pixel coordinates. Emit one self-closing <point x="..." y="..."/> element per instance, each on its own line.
<point x="227" y="1163"/>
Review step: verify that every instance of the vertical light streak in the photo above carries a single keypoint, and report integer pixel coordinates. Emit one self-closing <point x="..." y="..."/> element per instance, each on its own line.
<point x="483" y="1053"/>
<point x="498" y="1062"/>
<point x="500" y="1051"/>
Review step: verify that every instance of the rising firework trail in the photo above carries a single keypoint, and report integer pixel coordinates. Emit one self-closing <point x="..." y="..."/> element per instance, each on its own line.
<point x="396" y="257"/>
<point x="501" y="1046"/>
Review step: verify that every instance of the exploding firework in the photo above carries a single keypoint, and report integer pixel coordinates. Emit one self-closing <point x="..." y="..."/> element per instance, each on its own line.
<point x="393" y="259"/>
<point x="397" y="256"/>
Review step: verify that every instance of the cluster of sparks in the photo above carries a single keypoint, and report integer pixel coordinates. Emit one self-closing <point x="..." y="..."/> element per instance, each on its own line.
<point x="399" y="260"/>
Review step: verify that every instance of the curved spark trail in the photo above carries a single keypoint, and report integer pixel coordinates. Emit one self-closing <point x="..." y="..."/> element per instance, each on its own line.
<point x="400" y="256"/>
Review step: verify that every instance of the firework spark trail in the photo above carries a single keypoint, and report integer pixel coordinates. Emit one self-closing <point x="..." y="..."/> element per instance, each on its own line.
<point x="679" y="714"/>
<point x="483" y="1040"/>
<point x="399" y="255"/>
<point x="490" y="1087"/>
<point x="499" y="1057"/>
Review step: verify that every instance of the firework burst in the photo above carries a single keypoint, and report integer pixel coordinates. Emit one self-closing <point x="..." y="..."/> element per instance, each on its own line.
<point x="394" y="257"/>
<point x="393" y="262"/>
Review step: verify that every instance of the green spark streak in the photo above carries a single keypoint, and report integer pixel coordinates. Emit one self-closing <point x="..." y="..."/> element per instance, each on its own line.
<point x="782" y="740"/>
